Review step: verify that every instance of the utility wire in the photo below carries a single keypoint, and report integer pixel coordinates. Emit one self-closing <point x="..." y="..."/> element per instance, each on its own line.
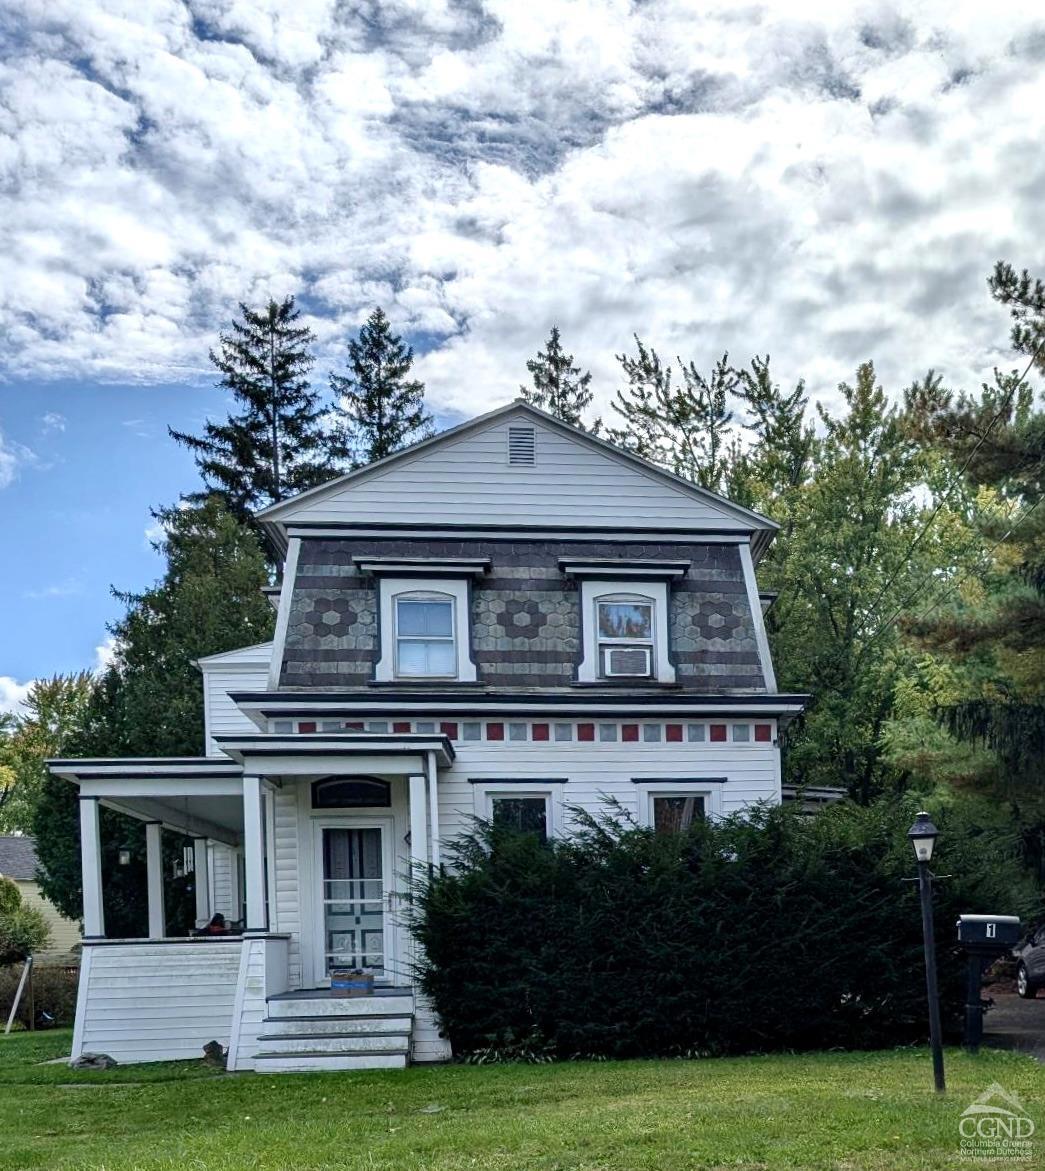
<point x="953" y="586"/>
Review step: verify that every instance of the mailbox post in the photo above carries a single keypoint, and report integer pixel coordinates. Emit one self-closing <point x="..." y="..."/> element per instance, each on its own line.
<point x="985" y="938"/>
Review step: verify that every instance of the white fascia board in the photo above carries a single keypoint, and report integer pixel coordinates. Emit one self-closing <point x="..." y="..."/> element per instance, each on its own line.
<point x="238" y="659"/>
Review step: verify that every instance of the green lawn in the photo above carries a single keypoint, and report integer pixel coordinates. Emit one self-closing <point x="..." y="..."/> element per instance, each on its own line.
<point x="839" y="1110"/>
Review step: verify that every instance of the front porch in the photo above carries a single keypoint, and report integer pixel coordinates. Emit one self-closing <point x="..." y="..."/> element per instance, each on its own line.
<point x="308" y="885"/>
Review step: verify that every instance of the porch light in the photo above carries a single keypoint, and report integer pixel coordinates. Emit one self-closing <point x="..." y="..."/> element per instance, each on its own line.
<point x="922" y="835"/>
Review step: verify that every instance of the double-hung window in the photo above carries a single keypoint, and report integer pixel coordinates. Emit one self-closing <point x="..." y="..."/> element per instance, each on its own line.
<point x="625" y="634"/>
<point x="672" y="813"/>
<point x="528" y="815"/>
<point x="425" y="646"/>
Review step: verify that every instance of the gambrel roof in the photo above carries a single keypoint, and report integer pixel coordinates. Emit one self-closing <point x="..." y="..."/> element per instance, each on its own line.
<point x="462" y="479"/>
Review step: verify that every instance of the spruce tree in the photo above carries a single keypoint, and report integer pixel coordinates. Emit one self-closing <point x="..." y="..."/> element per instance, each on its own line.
<point x="275" y="446"/>
<point x="558" y="387"/>
<point x="381" y="408"/>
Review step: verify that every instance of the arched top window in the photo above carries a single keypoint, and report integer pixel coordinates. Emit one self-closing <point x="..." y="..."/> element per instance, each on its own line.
<point x="425" y="647"/>
<point x="351" y="793"/>
<point x="624" y="625"/>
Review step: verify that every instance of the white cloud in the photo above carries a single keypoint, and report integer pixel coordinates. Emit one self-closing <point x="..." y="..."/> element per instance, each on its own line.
<point x="826" y="181"/>
<point x="12" y="693"/>
<point x="60" y="589"/>
<point x="52" y="421"/>
<point x="104" y="654"/>
<point x="13" y="457"/>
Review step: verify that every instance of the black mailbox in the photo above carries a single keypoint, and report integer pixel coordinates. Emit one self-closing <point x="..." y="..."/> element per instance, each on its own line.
<point x="985" y="938"/>
<point x="989" y="932"/>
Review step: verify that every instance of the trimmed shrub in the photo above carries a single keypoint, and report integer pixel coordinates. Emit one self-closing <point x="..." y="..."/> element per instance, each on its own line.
<point x="765" y="932"/>
<point x="23" y="929"/>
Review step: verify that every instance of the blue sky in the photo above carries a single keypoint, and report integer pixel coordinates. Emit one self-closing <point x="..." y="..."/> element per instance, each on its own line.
<point x="826" y="181"/>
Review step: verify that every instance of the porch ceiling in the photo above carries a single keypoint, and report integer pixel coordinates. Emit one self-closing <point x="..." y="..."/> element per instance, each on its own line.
<point x="198" y="796"/>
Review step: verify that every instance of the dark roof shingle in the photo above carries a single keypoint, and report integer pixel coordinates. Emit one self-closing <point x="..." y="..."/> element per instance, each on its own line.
<point x="17" y="858"/>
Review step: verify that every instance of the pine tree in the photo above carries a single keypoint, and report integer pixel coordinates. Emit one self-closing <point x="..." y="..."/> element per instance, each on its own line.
<point x="275" y="446"/>
<point x="382" y="408"/>
<point x="684" y="425"/>
<point x="559" y="387"/>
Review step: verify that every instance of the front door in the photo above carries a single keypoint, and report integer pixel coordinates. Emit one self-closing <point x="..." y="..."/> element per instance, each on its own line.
<point x="354" y="868"/>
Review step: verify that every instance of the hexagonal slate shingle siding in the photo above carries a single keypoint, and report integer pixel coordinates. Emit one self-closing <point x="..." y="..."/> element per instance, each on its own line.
<point x="526" y="623"/>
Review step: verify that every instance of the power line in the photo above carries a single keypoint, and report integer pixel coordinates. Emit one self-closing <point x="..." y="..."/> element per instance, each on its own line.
<point x="954" y="585"/>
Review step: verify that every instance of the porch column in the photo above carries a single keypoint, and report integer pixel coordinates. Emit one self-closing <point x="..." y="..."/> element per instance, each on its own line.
<point x="433" y="807"/>
<point x="418" y="822"/>
<point x="154" y="876"/>
<point x="201" y="878"/>
<point x="91" y="868"/>
<point x="254" y="853"/>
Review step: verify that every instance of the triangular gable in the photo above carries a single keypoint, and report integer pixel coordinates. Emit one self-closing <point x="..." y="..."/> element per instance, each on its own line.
<point x="462" y="477"/>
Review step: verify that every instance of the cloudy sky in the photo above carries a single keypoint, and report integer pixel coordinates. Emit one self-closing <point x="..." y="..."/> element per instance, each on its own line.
<point x="828" y="182"/>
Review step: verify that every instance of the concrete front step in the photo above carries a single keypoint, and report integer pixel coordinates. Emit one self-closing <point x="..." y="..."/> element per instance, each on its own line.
<point x="325" y="1026"/>
<point x="268" y="1062"/>
<point x="340" y="1006"/>
<point x="338" y="1043"/>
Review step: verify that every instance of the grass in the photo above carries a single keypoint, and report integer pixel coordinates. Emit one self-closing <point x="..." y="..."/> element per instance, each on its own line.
<point x="843" y="1111"/>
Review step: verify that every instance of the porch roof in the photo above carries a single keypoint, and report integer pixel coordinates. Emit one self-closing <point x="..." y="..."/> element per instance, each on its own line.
<point x="196" y="795"/>
<point x="301" y="753"/>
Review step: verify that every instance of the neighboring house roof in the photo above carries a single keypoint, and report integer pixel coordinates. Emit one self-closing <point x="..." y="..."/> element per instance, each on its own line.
<point x="303" y="504"/>
<point x="17" y="858"/>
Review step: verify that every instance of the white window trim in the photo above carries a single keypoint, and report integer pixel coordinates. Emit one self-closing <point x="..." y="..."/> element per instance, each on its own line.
<point x="389" y="589"/>
<point x="647" y="790"/>
<point x="655" y="591"/>
<point x="551" y="792"/>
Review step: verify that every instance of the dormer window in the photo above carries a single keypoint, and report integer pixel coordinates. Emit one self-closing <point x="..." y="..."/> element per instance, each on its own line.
<point x="625" y="632"/>
<point x="424" y="630"/>
<point x="424" y="636"/>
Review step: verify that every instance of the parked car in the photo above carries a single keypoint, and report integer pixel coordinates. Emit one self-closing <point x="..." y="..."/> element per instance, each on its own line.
<point x="1030" y="962"/>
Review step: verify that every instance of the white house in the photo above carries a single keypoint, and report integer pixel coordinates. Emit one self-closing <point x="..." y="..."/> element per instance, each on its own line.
<point x="505" y="620"/>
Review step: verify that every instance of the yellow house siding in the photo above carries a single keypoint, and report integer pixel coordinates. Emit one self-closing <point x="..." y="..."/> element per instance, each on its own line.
<point x="65" y="933"/>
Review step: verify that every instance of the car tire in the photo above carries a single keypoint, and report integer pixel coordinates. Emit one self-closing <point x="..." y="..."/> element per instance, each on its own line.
<point x="1024" y="987"/>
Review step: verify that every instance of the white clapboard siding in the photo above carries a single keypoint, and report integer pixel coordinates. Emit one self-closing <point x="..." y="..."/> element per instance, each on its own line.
<point x="288" y="894"/>
<point x="156" y="1002"/>
<point x="222" y="867"/>
<point x="262" y="973"/>
<point x="245" y="669"/>
<point x="471" y="481"/>
<point x="597" y="771"/>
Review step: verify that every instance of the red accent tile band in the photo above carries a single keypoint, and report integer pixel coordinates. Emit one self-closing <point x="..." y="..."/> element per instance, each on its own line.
<point x="673" y="733"/>
<point x="495" y="731"/>
<point x="540" y="731"/>
<point x="449" y="730"/>
<point x="307" y="726"/>
<point x="401" y="726"/>
<point x="718" y="732"/>
<point x="585" y="731"/>
<point x="764" y="732"/>
<point x="355" y="726"/>
<point x="629" y="732"/>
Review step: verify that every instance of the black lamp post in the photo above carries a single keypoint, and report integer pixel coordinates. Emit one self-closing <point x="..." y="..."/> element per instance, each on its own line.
<point x="923" y="835"/>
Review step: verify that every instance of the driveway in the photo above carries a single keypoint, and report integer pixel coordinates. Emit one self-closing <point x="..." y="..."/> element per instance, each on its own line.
<point x="1015" y="1024"/>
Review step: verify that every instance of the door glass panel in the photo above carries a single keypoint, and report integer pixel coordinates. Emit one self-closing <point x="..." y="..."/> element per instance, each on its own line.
<point x="353" y="899"/>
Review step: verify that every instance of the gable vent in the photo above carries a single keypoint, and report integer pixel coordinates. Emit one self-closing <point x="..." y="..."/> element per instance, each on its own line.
<point x="522" y="446"/>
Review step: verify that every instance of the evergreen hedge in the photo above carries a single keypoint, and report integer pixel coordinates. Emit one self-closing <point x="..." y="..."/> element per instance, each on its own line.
<point x="765" y="932"/>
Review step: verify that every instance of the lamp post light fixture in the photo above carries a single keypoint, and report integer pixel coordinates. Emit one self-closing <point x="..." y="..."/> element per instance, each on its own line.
<point x="923" y="835"/>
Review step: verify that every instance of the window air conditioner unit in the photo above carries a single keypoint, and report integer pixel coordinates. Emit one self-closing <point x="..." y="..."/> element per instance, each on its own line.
<point x="624" y="662"/>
